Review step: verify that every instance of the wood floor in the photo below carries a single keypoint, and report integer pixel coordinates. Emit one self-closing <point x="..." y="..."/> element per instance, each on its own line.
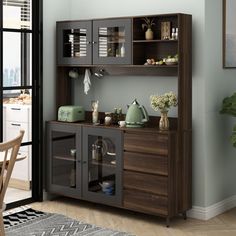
<point x="140" y="224"/>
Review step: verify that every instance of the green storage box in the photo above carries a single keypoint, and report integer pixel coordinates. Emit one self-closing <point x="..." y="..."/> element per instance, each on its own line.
<point x="71" y="113"/>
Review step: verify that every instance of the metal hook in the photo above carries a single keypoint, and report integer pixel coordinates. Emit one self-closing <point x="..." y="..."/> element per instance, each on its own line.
<point x="100" y="73"/>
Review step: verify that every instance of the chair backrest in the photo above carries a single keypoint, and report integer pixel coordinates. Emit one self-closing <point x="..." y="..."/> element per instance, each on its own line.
<point x="8" y="151"/>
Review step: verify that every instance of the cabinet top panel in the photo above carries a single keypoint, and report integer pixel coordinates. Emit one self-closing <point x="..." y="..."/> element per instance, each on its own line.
<point x="126" y="17"/>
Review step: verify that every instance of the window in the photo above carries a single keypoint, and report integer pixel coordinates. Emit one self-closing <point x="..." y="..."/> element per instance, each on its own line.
<point x="19" y="87"/>
<point x="17" y="14"/>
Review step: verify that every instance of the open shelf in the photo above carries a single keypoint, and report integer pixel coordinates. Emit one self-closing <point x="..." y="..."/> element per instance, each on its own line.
<point x="155" y="41"/>
<point x="105" y="163"/>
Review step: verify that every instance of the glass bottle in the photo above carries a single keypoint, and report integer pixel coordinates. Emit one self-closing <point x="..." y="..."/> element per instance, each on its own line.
<point x="115" y="116"/>
<point x="173" y="34"/>
<point x="99" y="153"/>
<point x="176" y="33"/>
<point x="119" y="115"/>
<point x="93" y="152"/>
<point x="122" y="50"/>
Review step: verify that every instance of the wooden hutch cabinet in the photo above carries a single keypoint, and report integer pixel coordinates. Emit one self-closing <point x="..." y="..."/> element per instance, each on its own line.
<point x="155" y="166"/>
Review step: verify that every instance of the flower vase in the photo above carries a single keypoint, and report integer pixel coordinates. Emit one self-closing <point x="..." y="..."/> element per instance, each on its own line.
<point x="149" y="34"/>
<point x="164" y="122"/>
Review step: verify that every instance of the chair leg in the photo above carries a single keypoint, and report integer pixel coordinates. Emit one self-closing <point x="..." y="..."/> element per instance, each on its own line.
<point x="2" y="231"/>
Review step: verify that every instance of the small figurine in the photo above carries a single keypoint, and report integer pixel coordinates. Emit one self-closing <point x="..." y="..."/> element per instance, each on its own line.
<point x="95" y="112"/>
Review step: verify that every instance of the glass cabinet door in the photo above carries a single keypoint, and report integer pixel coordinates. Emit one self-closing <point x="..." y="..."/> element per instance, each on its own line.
<point x="112" y="41"/>
<point x="64" y="173"/>
<point x="74" y="42"/>
<point x="102" y="172"/>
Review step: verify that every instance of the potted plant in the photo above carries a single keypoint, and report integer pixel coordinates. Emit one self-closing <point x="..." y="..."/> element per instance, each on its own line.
<point x="148" y="24"/>
<point x="229" y="107"/>
<point x="163" y="103"/>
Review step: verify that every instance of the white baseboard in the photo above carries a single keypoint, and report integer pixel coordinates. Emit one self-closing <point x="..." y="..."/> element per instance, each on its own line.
<point x="206" y="213"/>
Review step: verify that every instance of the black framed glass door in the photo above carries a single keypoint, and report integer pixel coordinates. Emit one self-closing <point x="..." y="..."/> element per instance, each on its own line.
<point x="20" y="92"/>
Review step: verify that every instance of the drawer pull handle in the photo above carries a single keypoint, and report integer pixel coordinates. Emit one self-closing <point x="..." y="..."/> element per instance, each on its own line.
<point x="15" y="124"/>
<point x="15" y="109"/>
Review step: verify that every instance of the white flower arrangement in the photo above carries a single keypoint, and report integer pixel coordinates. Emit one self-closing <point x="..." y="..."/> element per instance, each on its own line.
<point x="163" y="102"/>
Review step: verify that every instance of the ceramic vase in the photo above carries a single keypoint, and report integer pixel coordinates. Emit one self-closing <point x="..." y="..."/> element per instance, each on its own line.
<point x="164" y="122"/>
<point x="149" y="34"/>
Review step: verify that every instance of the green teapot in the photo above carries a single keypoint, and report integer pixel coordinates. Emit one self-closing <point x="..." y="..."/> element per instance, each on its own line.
<point x="136" y="115"/>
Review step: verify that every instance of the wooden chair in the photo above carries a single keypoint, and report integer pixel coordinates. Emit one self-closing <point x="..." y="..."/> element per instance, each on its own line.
<point x="8" y="153"/>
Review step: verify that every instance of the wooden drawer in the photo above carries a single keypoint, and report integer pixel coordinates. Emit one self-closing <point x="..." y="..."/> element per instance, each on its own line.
<point x="145" y="202"/>
<point x="153" y="143"/>
<point x="145" y="182"/>
<point x="148" y="163"/>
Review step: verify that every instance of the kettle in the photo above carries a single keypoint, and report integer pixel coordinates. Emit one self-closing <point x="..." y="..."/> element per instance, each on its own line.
<point x="136" y="115"/>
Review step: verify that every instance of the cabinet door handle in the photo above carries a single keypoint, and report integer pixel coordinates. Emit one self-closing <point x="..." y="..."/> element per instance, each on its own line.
<point x="79" y="161"/>
<point x="15" y="124"/>
<point x="15" y="109"/>
<point x="84" y="162"/>
<point x="94" y="42"/>
<point x="89" y="42"/>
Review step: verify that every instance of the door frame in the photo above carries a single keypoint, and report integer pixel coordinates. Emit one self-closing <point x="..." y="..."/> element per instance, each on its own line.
<point x="37" y="105"/>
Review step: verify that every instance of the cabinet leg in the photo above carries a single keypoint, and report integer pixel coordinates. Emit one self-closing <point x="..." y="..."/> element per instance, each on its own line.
<point x="168" y="222"/>
<point x="185" y="215"/>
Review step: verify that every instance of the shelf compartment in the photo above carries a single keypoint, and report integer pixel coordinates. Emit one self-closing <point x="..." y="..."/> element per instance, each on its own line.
<point x="104" y="163"/>
<point x="139" y="33"/>
<point x="155" y="41"/>
<point x="143" y="51"/>
<point x="64" y="158"/>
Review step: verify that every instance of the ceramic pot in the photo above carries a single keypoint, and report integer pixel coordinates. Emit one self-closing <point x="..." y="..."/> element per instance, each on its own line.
<point x="149" y="34"/>
<point x="164" y="122"/>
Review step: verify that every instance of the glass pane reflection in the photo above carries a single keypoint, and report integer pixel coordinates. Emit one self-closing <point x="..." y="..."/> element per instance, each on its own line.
<point x="111" y="42"/>
<point x="17" y="63"/>
<point x="75" y="43"/>
<point x="17" y="14"/>
<point x="17" y="114"/>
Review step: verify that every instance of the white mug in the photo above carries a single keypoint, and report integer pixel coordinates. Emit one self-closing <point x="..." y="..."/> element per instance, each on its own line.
<point x="107" y="120"/>
<point x="121" y="123"/>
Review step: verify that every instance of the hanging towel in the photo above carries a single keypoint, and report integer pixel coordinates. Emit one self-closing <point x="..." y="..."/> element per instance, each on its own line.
<point x="87" y="82"/>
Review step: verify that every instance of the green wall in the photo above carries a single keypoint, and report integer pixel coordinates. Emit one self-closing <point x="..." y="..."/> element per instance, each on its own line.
<point x="220" y="160"/>
<point x="214" y="159"/>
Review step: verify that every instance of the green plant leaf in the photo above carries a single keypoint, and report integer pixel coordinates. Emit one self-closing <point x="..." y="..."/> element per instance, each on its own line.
<point x="229" y="105"/>
<point x="233" y="139"/>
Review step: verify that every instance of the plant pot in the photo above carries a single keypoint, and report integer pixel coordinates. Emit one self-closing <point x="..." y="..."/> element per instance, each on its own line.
<point x="149" y="34"/>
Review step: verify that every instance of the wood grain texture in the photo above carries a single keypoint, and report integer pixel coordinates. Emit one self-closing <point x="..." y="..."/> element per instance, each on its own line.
<point x="145" y="202"/>
<point x="146" y="163"/>
<point x="151" y="143"/>
<point x="155" y="184"/>
<point x="64" y="95"/>
<point x="185" y="112"/>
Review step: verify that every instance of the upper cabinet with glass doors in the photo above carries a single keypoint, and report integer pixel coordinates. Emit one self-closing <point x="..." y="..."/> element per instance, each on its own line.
<point x="112" y="41"/>
<point x="94" y="42"/>
<point x="74" y="42"/>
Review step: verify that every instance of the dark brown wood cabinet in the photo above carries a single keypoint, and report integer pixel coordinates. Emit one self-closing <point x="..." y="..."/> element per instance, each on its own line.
<point x="150" y="177"/>
<point x="156" y="165"/>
